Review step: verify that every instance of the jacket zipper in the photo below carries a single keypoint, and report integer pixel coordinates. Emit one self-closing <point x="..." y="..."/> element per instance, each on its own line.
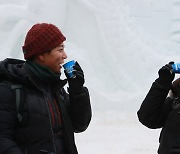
<point x="46" y="101"/>
<point x="50" y="118"/>
<point x="59" y="97"/>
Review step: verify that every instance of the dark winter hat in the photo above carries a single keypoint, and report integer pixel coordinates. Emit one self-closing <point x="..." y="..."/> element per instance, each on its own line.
<point x="40" y="38"/>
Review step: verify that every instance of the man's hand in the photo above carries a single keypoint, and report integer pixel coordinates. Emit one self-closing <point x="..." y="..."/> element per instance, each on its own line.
<point x="77" y="82"/>
<point x="165" y="73"/>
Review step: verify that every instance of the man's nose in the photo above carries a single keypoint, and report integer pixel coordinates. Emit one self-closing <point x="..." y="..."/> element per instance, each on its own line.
<point x="65" y="55"/>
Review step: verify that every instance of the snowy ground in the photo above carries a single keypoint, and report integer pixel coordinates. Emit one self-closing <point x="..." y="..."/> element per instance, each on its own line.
<point x="117" y="133"/>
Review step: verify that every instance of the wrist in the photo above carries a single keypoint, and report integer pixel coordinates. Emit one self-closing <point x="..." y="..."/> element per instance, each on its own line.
<point x="75" y="84"/>
<point x="163" y="85"/>
<point x="75" y="91"/>
<point x="164" y="81"/>
<point x="75" y="87"/>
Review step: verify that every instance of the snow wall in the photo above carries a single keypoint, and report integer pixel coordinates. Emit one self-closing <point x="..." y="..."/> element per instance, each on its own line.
<point x="120" y="44"/>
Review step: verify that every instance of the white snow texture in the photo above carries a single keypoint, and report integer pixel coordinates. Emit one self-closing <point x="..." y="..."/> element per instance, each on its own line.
<point x="120" y="44"/>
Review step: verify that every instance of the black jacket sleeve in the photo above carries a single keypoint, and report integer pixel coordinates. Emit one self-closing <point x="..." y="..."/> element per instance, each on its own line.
<point x="80" y="109"/>
<point x="7" y="121"/>
<point x="156" y="106"/>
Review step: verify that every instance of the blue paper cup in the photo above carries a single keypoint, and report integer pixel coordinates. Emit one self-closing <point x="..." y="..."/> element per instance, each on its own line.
<point x="176" y="67"/>
<point x="68" y="67"/>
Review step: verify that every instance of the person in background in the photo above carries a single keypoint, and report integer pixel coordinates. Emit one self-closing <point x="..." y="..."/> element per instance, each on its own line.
<point x="50" y="115"/>
<point x="161" y="109"/>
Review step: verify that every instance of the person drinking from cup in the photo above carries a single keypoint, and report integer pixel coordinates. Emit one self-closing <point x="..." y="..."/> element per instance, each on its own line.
<point x="161" y="109"/>
<point x="50" y="115"/>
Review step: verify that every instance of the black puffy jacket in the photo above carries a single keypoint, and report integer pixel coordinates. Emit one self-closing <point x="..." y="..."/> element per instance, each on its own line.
<point x="160" y="111"/>
<point x="33" y="135"/>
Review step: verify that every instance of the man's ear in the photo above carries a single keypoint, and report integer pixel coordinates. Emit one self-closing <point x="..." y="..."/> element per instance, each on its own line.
<point x="40" y="58"/>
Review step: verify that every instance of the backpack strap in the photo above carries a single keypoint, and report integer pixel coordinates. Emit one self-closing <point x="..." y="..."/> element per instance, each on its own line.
<point x="20" y="99"/>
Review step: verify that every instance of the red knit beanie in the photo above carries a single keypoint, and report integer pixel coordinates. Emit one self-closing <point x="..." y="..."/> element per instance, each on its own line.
<point x="40" y="38"/>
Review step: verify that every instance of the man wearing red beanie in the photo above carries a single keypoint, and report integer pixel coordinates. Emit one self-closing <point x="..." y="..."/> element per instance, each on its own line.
<point x="40" y="117"/>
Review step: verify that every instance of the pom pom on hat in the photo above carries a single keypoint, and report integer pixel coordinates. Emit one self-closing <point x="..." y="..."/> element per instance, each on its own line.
<point x="42" y="37"/>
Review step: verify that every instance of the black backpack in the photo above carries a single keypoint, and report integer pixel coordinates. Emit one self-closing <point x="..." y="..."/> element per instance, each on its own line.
<point x="19" y="93"/>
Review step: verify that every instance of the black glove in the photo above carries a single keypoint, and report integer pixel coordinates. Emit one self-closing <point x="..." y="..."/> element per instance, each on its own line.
<point x="165" y="73"/>
<point x="77" y="82"/>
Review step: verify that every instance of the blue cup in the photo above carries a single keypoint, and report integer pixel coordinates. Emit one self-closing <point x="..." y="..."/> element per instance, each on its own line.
<point x="68" y="67"/>
<point x="176" y="67"/>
